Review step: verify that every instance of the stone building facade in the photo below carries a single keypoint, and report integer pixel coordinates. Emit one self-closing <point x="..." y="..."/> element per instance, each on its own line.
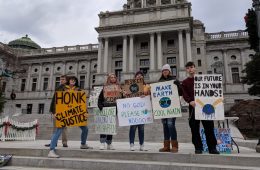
<point x="144" y="35"/>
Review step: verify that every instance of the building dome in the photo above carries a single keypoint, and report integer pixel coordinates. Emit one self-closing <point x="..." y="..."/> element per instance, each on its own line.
<point x="24" y="43"/>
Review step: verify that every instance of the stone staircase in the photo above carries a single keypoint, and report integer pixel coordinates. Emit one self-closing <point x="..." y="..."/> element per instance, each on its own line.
<point x="153" y="132"/>
<point x="34" y="156"/>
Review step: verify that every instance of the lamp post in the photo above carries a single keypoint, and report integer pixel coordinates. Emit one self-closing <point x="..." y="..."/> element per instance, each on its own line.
<point x="256" y="5"/>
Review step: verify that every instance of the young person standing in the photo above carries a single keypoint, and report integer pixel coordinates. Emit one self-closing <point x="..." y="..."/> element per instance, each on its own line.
<point x="188" y="95"/>
<point x="169" y="129"/>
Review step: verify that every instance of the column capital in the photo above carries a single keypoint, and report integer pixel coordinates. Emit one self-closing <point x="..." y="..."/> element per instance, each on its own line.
<point x="131" y="35"/>
<point x="187" y="31"/>
<point x="158" y="32"/>
<point x="124" y="36"/>
<point x="151" y="33"/>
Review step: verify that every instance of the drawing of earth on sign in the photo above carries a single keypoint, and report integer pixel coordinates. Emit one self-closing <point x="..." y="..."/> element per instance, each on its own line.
<point x="165" y="102"/>
<point x="208" y="110"/>
<point x="134" y="88"/>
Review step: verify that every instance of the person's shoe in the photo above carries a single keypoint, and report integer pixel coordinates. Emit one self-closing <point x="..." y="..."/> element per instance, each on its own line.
<point x="85" y="147"/>
<point x="142" y="148"/>
<point x="110" y="147"/>
<point x="132" y="147"/>
<point x="52" y="154"/>
<point x="166" y="146"/>
<point x="102" y="146"/>
<point x="47" y="145"/>
<point x="65" y="145"/>
<point x="198" y="151"/>
<point x="213" y="151"/>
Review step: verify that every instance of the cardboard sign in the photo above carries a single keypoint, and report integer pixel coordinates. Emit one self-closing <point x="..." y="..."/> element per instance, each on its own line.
<point x="223" y="137"/>
<point x="112" y="93"/>
<point x="134" y="111"/>
<point x="105" y="120"/>
<point x="134" y="87"/>
<point x="165" y="100"/>
<point x="71" y="108"/>
<point x="208" y="91"/>
<point x="93" y="97"/>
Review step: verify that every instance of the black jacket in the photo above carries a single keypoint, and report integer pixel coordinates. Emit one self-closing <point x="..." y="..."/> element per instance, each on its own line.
<point x="52" y="106"/>
<point x="102" y="102"/>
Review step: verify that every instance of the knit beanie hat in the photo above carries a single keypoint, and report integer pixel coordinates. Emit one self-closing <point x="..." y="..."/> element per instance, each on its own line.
<point x="166" y="67"/>
<point x="139" y="72"/>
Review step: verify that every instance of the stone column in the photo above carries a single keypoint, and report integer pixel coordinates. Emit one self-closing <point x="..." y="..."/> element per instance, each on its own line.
<point x="39" y="79"/>
<point x="131" y="54"/>
<point x="159" y="50"/>
<point x="158" y="2"/>
<point x="144" y="4"/>
<point x="76" y="68"/>
<point x="152" y="56"/>
<point x="28" y="78"/>
<point x="188" y="45"/>
<point x="125" y="54"/>
<point x="106" y="56"/>
<point x="88" y="78"/>
<point x="181" y="57"/>
<point x="64" y="68"/>
<point x="243" y="62"/>
<point x="226" y="68"/>
<point x="51" y="77"/>
<point x="182" y="72"/>
<point x="99" y="62"/>
<point x="172" y="1"/>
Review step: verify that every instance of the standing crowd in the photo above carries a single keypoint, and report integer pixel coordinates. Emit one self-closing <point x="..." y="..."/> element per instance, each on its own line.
<point x="170" y="143"/>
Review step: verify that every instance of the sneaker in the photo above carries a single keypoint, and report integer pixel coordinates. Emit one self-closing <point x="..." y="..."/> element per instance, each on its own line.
<point x="142" y="148"/>
<point x="214" y="151"/>
<point x="257" y="148"/>
<point x="65" y="145"/>
<point x="85" y="147"/>
<point x="132" y="147"/>
<point x="47" y="145"/>
<point x="52" y="154"/>
<point x="110" y="147"/>
<point x="102" y="146"/>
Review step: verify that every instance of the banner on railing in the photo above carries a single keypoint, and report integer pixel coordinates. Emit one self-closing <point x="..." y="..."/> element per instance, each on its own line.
<point x="13" y="130"/>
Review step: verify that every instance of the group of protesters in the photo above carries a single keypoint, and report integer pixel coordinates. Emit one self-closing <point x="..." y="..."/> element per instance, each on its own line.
<point x="170" y="143"/>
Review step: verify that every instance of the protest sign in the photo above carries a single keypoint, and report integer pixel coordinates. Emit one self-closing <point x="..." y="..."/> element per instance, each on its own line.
<point x="134" y="87"/>
<point x="208" y="91"/>
<point x="112" y="93"/>
<point x="134" y="111"/>
<point x="71" y="108"/>
<point x="165" y="100"/>
<point x="105" y="120"/>
<point x="223" y="137"/>
<point x="93" y="97"/>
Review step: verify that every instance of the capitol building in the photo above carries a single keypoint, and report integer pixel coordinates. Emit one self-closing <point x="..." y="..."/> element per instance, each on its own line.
<point x="143" y="35"/>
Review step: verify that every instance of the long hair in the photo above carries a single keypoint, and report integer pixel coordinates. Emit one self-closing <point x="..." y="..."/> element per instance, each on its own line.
<point x="108" y="82"/>
<point x="75" y="79"/>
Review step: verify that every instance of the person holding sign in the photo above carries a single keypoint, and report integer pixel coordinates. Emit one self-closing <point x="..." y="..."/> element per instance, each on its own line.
<point x="107" y="98"/>
<point x="72" y="86"/>
<point x="169" y="129"/>
<point x="188" y="95"/>
<point x="63" y="81"/>
<point x="146" y="91"/>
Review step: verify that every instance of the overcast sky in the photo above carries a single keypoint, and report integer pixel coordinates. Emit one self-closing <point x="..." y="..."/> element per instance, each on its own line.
<point x="65" y="22"/>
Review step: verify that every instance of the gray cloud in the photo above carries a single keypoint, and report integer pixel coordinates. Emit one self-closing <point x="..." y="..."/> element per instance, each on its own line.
<point x="65" y="22"/>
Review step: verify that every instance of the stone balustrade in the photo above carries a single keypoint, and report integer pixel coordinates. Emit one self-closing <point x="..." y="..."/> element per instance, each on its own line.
<point x="227" y="35"/>
<point x="65" y="49"/>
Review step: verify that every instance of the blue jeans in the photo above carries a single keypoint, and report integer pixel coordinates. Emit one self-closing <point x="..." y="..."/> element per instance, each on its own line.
<point x="169" y="129"/>
<point x="57" y="133"/>
<point x="140" y="133"/>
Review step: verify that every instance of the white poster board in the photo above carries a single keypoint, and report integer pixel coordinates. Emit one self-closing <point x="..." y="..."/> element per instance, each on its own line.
<point x="105" y="120"/>
<point x="208" y="91"/>
<point x="134" y="111"/>
<point x="165" y="100"/>
<point x="93" y="97"/>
